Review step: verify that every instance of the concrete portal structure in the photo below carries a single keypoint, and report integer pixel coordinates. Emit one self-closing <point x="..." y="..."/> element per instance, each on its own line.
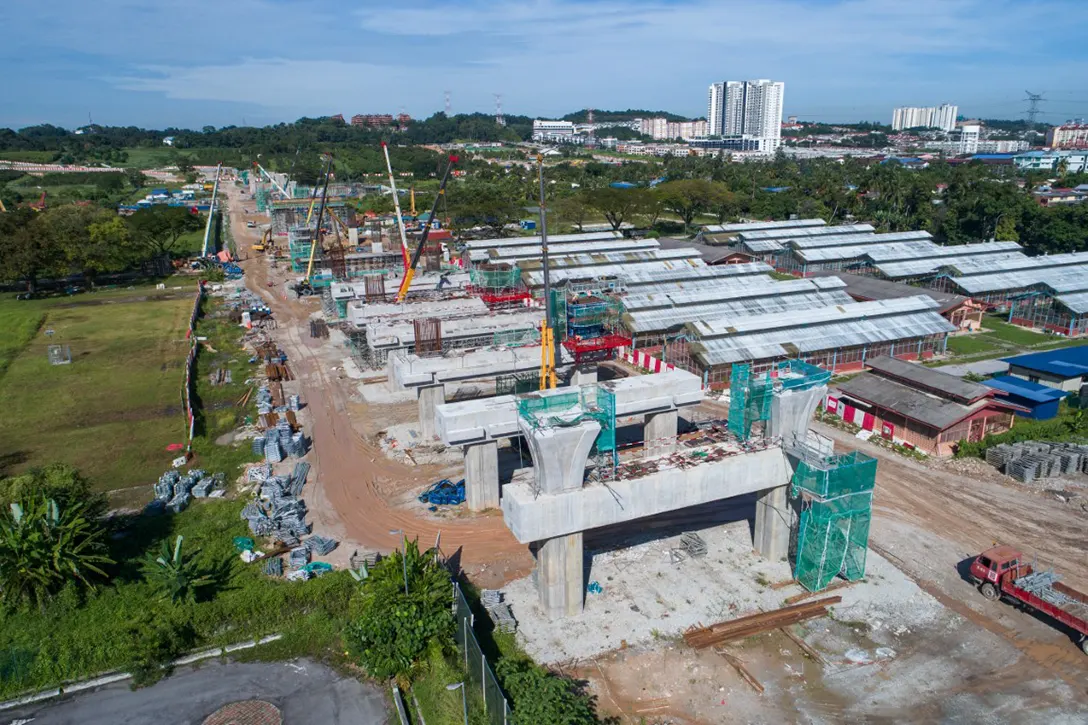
<point x="478" y="425"/>
<point x="552" y="512"/>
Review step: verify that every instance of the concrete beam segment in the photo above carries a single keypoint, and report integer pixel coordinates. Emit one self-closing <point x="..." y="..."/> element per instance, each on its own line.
<point x="482" y="475"/>
<point x="560" y="453"/>
<point x="559" y="567"/>
<point x="409" y="371"/>
<point x="533" y="517"/>
<point x="471" y="421"/>
<point x="430" y="397"/>
<point x="772" y="526"/>
<point x="583" y="375"/>
<point x="792" y="411"/>
<point x="659" y="432"/>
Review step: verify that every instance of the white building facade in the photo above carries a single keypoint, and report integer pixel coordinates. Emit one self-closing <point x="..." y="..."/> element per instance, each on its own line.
<point x="942" y="117"/>
<point x="750" y="109"/>
<point x="1068" y="136"/>
<point x="552" y="130"/>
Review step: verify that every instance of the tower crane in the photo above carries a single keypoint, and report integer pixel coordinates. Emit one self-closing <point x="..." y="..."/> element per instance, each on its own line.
<point x="549" y="353"/>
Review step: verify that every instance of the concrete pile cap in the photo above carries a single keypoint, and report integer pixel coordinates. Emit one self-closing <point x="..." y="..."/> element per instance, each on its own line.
<point x="363" y="313"/>
<point x="410" y="370"/>
<point x="402" y="333"/>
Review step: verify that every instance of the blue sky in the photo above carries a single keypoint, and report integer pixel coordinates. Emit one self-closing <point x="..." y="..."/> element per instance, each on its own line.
<point x="201" y="62"/>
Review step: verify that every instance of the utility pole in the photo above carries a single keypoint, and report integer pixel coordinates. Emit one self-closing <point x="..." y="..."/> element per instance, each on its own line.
<point x="449" y="108"/>
<point x="1033" y="99"/>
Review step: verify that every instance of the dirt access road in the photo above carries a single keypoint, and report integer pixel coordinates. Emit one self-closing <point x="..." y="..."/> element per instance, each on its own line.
<point x="929" y="521"/>
<point x="355" y="482"/>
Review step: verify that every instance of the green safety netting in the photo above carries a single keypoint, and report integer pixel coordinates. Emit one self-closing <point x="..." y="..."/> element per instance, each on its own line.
<point x="495" y="279"/>
<point x="517" y="383"/>
<point x="569" y="408"/>
<point x="516" y="338"/>
<point x="749" y="400"/>
<point x="833" y="535"/>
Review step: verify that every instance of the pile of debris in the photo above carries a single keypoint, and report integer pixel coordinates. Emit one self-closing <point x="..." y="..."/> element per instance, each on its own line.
<point x="176" y="490"/>
<point x="271" y="405"/>
<point x="1034" y="460"/>
<point x="498" y="610"/>
<point x="444" y="493"/>
<point x="719" y="634"/>
<point x="278" y="511"/>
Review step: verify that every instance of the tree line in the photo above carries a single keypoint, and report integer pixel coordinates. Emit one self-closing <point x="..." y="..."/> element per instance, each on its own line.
<point x="81" y="239"/>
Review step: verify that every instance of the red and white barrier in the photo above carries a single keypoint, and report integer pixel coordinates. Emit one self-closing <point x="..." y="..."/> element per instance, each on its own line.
<point x="646" y="362"/>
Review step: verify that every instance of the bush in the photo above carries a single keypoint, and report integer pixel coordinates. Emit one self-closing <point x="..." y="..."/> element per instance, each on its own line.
<point x="392" y="629"/>
<point x="154" y="639"/>
<point x="57" y="481"/>
<point x="538" y="696"/>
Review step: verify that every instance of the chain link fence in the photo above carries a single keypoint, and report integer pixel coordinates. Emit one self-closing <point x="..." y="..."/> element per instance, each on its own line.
<point x="479" y="670"/>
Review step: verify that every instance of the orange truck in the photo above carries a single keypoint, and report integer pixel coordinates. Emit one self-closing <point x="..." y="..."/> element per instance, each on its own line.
<point x="1002" y="573"/>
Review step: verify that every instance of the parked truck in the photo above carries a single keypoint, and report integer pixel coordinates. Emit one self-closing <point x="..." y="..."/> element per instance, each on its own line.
<point x="1003" y="573"/>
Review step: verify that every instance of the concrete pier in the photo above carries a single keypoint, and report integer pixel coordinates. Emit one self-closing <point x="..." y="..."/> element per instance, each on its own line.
<point x="430" y="397"/>
<point x="560" y="454"/>
<point x="659" y="432"/>
<point x="773" y="521"/>
<point x="559" y="575"/>
<point x="482" y="475"/>
<point x="583" y="375"/>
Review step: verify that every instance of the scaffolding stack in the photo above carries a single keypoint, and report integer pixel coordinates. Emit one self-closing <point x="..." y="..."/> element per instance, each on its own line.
<point x="836" y="495"/>
<point x="1029" y="461"/>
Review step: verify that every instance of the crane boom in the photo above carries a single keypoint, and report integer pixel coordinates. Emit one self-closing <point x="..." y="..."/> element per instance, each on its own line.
<point x="273" y="181"/>
<point x="320" y="217"/>
<point x="549" y="353"/>
<point x="396" y="206"/>
<point x="411" y="271"/>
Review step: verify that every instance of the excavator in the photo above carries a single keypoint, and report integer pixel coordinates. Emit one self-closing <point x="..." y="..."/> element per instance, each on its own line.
<point x="410" y="271"/>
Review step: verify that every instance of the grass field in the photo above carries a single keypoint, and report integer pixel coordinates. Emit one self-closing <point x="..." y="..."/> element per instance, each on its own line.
<point x="970" y="345"/>
<point x="995" y="327"/>
<point x="116" y="407"/>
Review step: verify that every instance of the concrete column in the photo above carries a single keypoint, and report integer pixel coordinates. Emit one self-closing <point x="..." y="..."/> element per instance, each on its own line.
<point x="792" y="411"/>
<point x="660" y="426"/>
<point x="773" y="518"/>
<point x="560" y="453"/>
<point x="482" y="475"/>
<point x="559" y="567"/>
<point x="583" y="375"/>
<point x="430" y="397"/>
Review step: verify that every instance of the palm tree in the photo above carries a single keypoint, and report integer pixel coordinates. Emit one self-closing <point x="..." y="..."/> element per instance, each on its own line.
<point x="44" y="547"/>
<point x="178" y="577"/>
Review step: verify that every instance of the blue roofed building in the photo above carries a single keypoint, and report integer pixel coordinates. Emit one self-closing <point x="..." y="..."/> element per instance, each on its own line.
<point x="1040" y="400"/>
<point x="1062" y="369"/>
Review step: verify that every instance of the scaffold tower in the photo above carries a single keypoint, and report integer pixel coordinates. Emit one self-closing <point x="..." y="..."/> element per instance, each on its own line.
<point x="836" y="495"/>
<point x="498" y="285"/>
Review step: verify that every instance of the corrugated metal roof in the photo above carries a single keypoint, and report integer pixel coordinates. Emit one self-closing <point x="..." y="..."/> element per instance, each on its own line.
<point x="761" y="246"/>
<point x="667" y="279"/>
<point x="535" y="241"/>
<point x="929" y="410"/>
<point x="662" y="319"/>
<point x="621" y="272"/>
<point x="786" y="233"/>
<point x="896" y="251"/>
<point x="730" y="289"/>
<point x="932" y="379"/>
<point x="921" y="267"/>
<point x="853" y="240"/>
<point x="788" y="342"/>
<point x="874" y="288"/>
<point x="593" y="259"/>
<point x="852" y="311"/>
<point x="753" y="226"/>
<point x="1058" y="279"/>
<point x="1076" y="302"/>
<point x="508" y="254"/>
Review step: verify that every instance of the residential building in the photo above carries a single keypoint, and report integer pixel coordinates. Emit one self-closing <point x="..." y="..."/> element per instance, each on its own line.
<point x="373" y="120"/>
<point x="1076" y="162"/>
<point x="715" y="107"/>
<point x="747" y="109"/>
<point x="921" y="407"/>
<point x="942" y="117"/>
<point x="660" y="129"/>
<point x="1062" y="369"/>
<point x="969" y="135"/>
<point x="1068" y="136"/>
<point x="544" y="130"/>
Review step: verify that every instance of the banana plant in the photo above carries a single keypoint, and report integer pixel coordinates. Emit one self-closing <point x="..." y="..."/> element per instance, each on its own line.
<point x="179" y="578"/>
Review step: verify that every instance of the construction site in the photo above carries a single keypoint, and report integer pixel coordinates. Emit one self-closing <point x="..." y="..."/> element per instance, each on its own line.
<point x="697" y="557"/>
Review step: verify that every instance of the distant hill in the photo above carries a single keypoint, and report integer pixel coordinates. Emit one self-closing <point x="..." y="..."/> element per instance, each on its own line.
<point x="629" y="114"/>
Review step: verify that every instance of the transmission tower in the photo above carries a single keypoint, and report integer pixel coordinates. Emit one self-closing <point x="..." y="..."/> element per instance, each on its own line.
<point x="448" y="106"/>
<point x="1033" y="99"/>
<point x="498" y="110"/>
<point x="590" y="140"/>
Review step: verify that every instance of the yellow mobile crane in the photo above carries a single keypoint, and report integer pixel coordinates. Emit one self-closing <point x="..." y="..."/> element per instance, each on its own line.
<point x="411" y="270"/>
<point x="549" y="353"/>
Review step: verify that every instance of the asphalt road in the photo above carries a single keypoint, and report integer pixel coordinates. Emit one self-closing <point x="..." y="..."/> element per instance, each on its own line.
<point x="305" y="692"/>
